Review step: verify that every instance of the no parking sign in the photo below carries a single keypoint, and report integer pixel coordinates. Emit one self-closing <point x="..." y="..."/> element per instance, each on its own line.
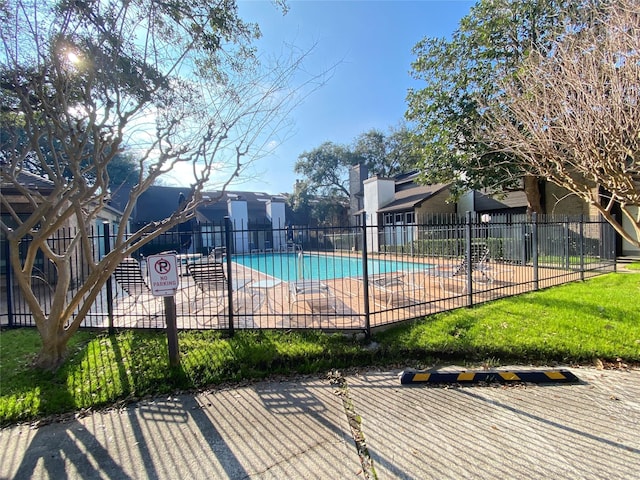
<point x="163" y="274"/>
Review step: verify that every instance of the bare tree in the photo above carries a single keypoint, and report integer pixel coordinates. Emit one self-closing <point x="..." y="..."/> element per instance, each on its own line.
<point x="179" y="82"/>
<point x="573" y="114"/>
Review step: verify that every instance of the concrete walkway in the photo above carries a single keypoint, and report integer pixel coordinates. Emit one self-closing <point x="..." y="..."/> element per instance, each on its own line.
<point x="299" y="429"/>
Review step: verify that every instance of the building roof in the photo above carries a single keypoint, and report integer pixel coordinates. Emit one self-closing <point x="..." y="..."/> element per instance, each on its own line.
<point x="216" y="210"/>
<point x="43" y="185"/>
<point x="159" y="202"/>
<point x="29" y="180"/>
<point x="512" y="200"/>
<point x="412" y="196"/>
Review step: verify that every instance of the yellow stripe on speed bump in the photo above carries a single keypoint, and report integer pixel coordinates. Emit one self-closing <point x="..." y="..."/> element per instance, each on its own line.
<point x="509" y="377"/>
<point x="466" y="376"/>
<point x="531" y="376"/>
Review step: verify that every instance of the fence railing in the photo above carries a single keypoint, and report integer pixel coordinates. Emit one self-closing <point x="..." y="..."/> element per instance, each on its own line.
<point x="335" y="278"/>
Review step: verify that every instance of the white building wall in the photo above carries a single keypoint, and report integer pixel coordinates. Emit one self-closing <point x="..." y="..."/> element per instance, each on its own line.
<point x="239" y="215"/>
<point x="378" y="192"/>
<point x="628" y="248"/>
<point x="466" y="202"/>
<point x="276" y="214"/>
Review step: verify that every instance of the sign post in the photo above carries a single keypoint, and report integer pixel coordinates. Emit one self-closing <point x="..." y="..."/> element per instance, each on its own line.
<point x="163" y="276"/>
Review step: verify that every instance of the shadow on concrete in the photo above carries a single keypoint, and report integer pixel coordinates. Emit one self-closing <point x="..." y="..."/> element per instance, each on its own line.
<point x="523" y="431"/>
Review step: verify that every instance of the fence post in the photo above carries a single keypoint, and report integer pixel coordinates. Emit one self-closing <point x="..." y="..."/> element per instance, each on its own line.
<point x="365" y="278"/>
<point x="567" y="244"/>
<point x="106" y="239"/>
<point x="469" y="266"/>
<point x="8" y="282"/>
<point x="611" y="237"/>
<point x="534" y="250"/>
<point x="523" y="250"/>
<point x="227" y="234"/>
<point x="581" y="247"/>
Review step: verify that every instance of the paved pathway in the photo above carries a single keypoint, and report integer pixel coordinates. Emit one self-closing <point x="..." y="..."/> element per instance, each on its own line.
<point x="300" y="429"/>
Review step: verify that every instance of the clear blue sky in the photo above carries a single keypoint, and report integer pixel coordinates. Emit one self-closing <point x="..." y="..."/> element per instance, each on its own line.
<point x="371" y="41"/>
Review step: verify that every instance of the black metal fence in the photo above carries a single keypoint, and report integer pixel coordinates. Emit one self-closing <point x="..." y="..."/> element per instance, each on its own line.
<point x="334" y="278"/>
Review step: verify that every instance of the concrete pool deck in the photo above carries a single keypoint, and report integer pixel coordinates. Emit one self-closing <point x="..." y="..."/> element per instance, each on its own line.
<point x="416" y="294"/>
<point x="408" y="294"/>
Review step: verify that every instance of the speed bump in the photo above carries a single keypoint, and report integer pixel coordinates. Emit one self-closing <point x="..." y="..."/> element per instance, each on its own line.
<point x="531" y="376"/>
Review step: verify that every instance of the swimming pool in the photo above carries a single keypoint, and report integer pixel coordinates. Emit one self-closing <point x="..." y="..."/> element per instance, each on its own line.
<point x="288" y="266"/>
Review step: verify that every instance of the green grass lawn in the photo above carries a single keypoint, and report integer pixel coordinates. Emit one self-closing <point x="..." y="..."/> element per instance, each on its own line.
<point x="575" y="323"/>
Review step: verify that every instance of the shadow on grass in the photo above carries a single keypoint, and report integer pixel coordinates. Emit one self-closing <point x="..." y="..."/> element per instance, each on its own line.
<point x="117" y="368"/>
<point x="28" y="392"/>
<point x="144" y="366"/>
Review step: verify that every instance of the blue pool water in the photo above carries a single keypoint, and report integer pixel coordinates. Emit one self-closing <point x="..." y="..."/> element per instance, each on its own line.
<point x="286" y="266"/>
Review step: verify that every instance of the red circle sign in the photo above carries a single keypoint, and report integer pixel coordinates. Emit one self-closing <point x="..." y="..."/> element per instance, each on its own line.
<point x="162" y="266"/>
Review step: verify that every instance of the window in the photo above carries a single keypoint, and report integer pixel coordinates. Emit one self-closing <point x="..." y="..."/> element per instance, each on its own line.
<point x="410" y="218"/>
<point x="212" y="236"/>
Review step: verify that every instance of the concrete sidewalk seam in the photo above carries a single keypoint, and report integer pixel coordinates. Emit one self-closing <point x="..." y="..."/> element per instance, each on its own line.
<point x="336" y="378"/>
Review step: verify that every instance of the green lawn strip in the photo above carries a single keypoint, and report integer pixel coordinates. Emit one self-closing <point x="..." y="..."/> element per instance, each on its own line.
<point x="132" y="364"/>
<point x="572" y="323"/>
<point x="633" y="266"/>
<point x="578" y="322"/>
<point x="26" y="392"/>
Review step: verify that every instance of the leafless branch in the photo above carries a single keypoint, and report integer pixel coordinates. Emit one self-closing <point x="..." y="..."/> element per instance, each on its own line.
<point x="572" y="115"/>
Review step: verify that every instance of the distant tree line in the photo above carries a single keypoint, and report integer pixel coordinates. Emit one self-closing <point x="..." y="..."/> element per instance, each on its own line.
<point x="323" y="189"/>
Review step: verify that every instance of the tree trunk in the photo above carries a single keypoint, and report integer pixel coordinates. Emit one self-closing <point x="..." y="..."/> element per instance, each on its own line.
<point x="532" y="190"/>
<point x="53" y="351"/>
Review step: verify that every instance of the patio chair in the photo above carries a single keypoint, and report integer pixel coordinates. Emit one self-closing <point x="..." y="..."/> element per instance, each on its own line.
<point x="313" y="294"/>
<point x="390" y="285"/>
<point x="477" y="266"/>
<point x="129" y="276"/>
<point x="210" y="278"/>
